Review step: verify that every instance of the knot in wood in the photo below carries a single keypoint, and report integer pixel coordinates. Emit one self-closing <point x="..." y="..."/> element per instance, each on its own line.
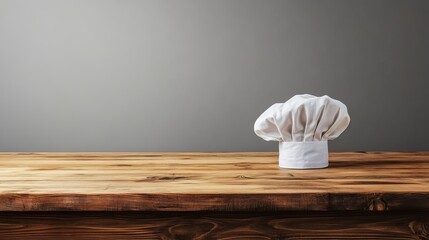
<point x="243" y="177"/>
<point x="419" y="229"/>
<point x="377" y="204"/>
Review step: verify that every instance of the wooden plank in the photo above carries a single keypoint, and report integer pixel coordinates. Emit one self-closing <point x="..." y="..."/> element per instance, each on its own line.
<point x="216" y="202"/>
<point x="373" y="181"/>
<point x="203" y="225"/>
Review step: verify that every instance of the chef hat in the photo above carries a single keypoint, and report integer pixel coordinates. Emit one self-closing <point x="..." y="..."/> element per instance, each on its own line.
<point x="302" y="126"/>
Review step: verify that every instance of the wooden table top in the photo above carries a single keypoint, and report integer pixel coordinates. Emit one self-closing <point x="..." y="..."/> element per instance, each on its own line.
<point x="238" y="181"/>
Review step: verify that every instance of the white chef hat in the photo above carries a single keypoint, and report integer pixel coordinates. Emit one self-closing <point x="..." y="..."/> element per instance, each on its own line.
<point x="302" y="126"/>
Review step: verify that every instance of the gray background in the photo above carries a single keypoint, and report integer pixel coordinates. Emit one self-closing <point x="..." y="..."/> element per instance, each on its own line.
<point x="193" y="75"/>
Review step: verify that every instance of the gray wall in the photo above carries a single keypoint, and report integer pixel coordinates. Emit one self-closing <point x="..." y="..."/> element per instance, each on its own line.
<point x="193" y="75"/>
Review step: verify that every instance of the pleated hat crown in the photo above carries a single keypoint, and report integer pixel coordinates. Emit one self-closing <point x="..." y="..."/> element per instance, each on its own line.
<point x="303" y="125"/>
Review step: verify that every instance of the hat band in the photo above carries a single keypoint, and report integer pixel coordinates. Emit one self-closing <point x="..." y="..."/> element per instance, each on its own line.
<point x="303" y="155"/>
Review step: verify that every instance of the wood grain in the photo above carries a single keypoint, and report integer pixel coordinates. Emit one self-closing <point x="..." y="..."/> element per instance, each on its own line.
<point x="202" y="225"/>
<point x="373" y="181"/>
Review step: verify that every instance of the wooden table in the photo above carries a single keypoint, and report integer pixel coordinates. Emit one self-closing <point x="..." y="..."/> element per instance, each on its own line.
<point x="374" y="195"/>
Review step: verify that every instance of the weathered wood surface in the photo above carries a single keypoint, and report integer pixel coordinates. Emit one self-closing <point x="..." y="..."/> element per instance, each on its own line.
<point x="374" y="181"/>
<point x="198" y="226"/>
